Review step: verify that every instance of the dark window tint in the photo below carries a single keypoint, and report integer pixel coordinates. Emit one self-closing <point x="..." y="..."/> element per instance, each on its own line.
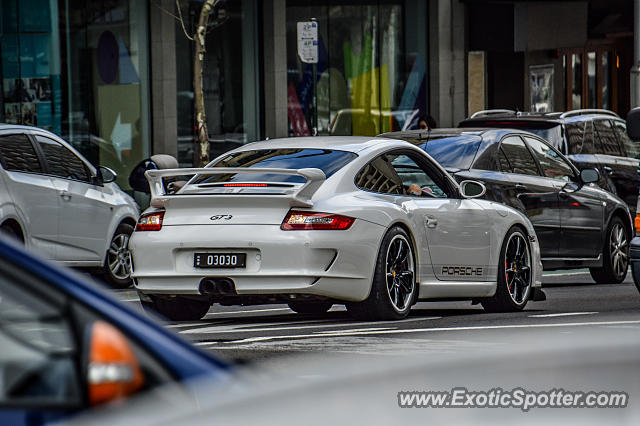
<point x="17" y="154"/>
<point x="62" y="162"/>
<point x="589" y="143"/>
<point x="503" y="163"/>
<point x="397" y="174"/>
<point x="607" y="137"/>
<point x="575" y="135"/>
<point x="38" y="361"/>
<point x="632" y="149"/>
<point x="455" y="153"/>
<point x="329" y="161"/>
<point x="519" y="156"/>
<point x="552" y="165"/>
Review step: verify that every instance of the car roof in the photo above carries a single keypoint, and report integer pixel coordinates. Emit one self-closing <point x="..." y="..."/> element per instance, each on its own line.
<point x="547" y="117"/>
<point x="424" y="135"/>
<point x="5" y="126"/>
<point x="341" y="143"/>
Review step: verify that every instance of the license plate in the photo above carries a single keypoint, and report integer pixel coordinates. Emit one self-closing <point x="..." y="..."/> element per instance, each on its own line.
<point x="219" y="260"/>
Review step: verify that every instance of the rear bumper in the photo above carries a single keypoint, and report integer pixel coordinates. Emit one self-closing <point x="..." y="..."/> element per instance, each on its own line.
<point x="335" y="264"/>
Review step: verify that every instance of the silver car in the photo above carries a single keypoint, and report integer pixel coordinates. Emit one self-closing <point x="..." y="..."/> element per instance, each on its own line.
<point x="372" y="223"/>
<point x="54" y="201"/>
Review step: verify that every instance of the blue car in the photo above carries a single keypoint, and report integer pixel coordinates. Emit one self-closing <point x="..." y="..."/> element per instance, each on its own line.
<point x="66" y="346"/>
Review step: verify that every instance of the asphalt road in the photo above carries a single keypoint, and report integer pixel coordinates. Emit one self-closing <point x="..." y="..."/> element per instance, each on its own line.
<point x="256" y="333"/>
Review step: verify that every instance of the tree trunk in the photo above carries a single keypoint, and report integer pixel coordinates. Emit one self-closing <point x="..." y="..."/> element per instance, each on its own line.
<point x="198" y="65"/>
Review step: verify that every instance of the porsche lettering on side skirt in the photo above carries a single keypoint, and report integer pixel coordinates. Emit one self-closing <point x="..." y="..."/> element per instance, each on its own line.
<point x="462" y="271"/>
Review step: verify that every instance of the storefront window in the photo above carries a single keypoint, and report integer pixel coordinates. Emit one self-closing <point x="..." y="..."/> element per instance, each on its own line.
<point x="230" y="78"/>
<point x="30" y="66"/>
<point x="105" y="81"/>
<point x="576" y="69"/>
<point x="606" y="78"/>
<point x="592" y="97"/>
<point x="79" y="69"/>
<point x="367" y="83"/>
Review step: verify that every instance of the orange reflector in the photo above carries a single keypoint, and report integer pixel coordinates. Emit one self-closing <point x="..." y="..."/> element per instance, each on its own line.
<point x="636" y="222"/>
<point x="113" y="370"/>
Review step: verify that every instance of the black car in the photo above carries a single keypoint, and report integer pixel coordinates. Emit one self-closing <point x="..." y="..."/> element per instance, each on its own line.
<point x="577" y="223"/>
<point x="590" y="138"/>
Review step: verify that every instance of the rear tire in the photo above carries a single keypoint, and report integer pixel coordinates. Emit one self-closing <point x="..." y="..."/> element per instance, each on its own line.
<point x="615" y="253"/>
<point x="310" y="308"/>
<point x="513" y="287"/>
<point x="179" y="308"/>
<point x="394" y="289"/>
<point x="117" y="264"/>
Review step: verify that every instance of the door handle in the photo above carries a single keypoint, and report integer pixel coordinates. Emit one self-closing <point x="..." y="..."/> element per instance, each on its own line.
<point x="608" y="170"/>
<point x="65" y="195"/>
<point x="431" y="222"/>
<point x="521" y="188"/>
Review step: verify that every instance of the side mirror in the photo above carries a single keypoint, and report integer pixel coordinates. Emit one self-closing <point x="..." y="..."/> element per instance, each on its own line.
<point x="106" y="174"/>
<point x="472" y="189"/>
<point x="589" y="175"/>
<point x="113" y="370"/>
<point x="633" y="124"/>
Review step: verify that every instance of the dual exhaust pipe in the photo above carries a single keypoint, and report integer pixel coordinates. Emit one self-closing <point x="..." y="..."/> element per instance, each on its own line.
<point x="217" y="287"/>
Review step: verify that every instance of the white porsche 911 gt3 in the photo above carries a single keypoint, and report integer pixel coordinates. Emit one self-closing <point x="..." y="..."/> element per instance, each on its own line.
<point x="372" y="223"/>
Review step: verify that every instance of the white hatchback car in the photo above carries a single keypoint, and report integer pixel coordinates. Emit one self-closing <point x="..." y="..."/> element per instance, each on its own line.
<point x="56" y="202"/>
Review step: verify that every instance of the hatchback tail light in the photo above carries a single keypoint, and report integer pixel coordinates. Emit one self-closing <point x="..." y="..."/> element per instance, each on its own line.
<point x="297" y="220"/>
<point x="150" y="221"/>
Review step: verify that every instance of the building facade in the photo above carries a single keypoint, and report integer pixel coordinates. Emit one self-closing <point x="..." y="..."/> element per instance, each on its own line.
<point x="114" y="77"/>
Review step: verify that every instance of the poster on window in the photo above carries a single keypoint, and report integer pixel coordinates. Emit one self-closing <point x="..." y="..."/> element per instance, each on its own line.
<point x="541" y="88"/>
<point x="28" y="101"/>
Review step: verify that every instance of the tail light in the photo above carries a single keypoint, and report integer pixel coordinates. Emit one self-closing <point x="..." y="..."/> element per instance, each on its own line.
<point x="150" y="221"/>
<point x="297" y="220"/>
<point x="636" y="223"/>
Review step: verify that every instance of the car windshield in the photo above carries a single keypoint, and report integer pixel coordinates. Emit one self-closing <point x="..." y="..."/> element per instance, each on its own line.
<point x="329" y="161"/>
<point x="453" y="152"/>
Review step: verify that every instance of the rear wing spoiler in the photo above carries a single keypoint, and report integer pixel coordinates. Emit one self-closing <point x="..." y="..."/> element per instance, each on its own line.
<point x="300" y="196"/>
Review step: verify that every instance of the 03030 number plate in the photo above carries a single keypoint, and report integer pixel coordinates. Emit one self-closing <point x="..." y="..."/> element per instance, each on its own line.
<point x="219" y="260"/>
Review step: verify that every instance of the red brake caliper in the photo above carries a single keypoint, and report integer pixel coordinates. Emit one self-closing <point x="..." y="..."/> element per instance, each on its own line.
<point x="506" y="274"/>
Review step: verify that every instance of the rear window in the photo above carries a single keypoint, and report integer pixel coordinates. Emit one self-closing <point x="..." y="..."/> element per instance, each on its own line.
<point x="455" y="153"/>
<point x="329" y="161"/>
<point x="547" y="130"/>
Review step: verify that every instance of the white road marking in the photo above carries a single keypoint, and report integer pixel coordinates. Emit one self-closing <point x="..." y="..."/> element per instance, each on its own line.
<point x="563" y="314"/>
<point x="287" y="326"/>
<point x="221" y="324"/>
<point x="428" y="330"/>
<point x="330" y="332"/>
<point x="193" y="324"/>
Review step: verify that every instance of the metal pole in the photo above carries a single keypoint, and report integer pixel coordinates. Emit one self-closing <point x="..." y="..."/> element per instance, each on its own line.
<point x="635" y="68"/>
<point x="314" y="77"/>
<point x="314" y="72"/>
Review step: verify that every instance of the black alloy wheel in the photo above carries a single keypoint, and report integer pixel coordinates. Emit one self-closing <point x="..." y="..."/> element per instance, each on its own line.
<point x="514" y="274"/>
<point x="394" y="289"/>
<point x="615" y="255"/>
